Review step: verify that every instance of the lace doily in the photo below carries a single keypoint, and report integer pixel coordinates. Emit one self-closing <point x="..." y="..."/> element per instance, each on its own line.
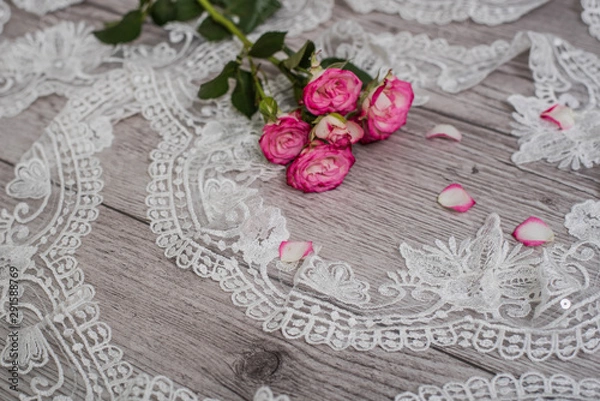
<point x="591" y="16"/>
<point x="488" y="12"/>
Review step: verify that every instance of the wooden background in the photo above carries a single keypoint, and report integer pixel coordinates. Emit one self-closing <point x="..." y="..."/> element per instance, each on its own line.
<point x="169" y="322"/>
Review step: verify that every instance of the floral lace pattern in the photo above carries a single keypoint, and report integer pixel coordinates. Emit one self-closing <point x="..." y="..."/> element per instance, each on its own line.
<point x="583" y="222"/>
<point x="591" y="16"/>
<point x="488" y="12"/>
<point x="505" y="387"/>
<point x="42" y="7"/>
<point x="56" y="60"/>
<point x="567" y="75"/>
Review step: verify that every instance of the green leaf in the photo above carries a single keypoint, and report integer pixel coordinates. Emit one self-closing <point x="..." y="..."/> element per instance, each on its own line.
<point x="243" y="97"/>
<point x="252" y="13"/>
<point x="219" y="85"/>
<point x="362" y="75"/>
<point x="187" y="10"/>
<point x="302" y="57"/>
<point x="163" y="11"/>
<point x="212" y="30"/>
<point x="268" y="44"/>
<point x="126" y="30"/>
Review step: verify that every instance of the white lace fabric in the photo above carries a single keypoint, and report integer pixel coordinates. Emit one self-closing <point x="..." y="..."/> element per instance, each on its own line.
<point x="488" y="12"/>
<point x="42" y="7"/>
<point x="210" y="215"/>
<point x="591" y="16"/>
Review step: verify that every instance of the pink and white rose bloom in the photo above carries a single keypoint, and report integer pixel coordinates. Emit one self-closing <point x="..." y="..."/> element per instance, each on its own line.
<point x="332" y="91"/>
<point x="320" y="167"/>
<point x="385" y="109"/>
<point x="335" y="129"/>
<point x="283" y="140"/>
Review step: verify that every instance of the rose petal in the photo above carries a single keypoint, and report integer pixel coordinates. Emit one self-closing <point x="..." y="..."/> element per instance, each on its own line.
<point x="560" y="115"/>
<point x="293" y="251"/>
<point x="456" y="198"/>
<point x="444" y="131"/>
<point x="533" y="232"/>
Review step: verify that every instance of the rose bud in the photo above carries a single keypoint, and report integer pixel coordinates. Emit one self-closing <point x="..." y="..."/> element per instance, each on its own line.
<point x="320" y="167"/>
<point x="332" y="91"/>
<point x="385" y="108"/>
<point x="283" y="139"/>
<point x="335" y="129"/>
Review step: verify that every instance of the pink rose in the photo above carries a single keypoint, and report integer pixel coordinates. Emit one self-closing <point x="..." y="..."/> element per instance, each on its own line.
<point x="334" y="128"/>
<point x="333" y="91"/>
<point x="385" y="108"/>
<point x="284" y="139"/>
<point x="320" y="167"/>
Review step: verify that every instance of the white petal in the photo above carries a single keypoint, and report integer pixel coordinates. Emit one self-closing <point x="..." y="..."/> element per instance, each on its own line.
<point x="444" y="131"/>
<point x="560" y="115"/>
<point x="533" y="232"/>
<point x="456" y="198"/>
<point x="293" y="251"/>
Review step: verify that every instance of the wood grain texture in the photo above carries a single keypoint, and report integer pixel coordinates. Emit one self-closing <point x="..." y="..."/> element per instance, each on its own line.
<point x="170" y="322"/>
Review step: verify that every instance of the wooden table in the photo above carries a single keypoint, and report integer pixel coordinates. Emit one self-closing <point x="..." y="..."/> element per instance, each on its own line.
<point x="168" y="322"/>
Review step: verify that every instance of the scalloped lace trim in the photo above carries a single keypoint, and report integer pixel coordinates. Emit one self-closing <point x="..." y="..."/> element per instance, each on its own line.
<point x="488" y="12"/>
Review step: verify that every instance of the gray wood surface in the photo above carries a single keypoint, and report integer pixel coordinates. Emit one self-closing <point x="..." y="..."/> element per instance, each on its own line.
<point x="169" y="322"/>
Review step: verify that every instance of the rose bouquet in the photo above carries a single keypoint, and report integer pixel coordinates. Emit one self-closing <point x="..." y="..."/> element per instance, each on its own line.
<point x="337" y="114"/>
<point x="339" y="105"/>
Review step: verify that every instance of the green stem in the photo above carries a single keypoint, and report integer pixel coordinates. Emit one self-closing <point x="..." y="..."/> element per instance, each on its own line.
<point x="257" y="84"/>
<point x="231" y="27"/>
<point x="221" y="19"/>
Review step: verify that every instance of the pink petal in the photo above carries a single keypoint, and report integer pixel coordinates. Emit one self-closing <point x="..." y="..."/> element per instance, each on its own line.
<point x="456" y="198"/>
<point x="533" y="232"/>
<point x="293" y="251"/>
<point x="444" y="131"/>
<point x="560" y="115"/>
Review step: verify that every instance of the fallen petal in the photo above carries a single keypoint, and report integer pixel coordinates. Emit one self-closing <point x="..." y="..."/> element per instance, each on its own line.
<point x="560" y="115"/>
<point x="446" y="131"/>
<point x="293" y="251"/>
<point x="533" y="232"/>
<point x="456" y="198"/>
